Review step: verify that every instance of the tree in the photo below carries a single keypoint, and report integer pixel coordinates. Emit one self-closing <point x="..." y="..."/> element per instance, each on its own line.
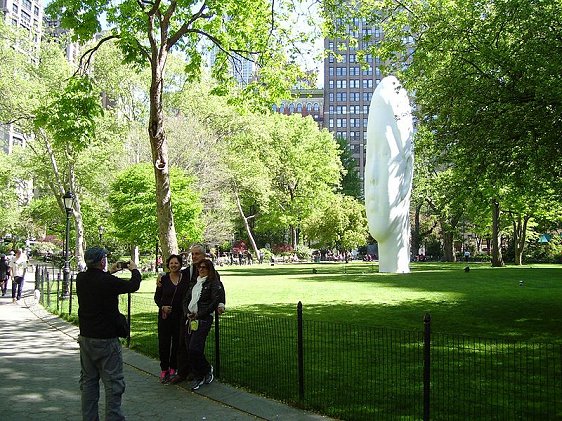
<point x="350" y="182"/>
<point x="147" y="32"/>
<point x="134" y="207"/>
<point x="341" y="224"/>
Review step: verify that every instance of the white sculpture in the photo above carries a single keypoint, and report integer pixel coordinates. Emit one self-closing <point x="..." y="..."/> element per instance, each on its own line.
<point x="389" y="169"/>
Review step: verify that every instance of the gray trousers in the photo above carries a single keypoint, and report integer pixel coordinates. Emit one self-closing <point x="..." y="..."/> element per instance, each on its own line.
<point x="101" y="359"/>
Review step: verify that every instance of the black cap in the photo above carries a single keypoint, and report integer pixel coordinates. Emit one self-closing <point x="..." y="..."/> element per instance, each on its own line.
<point x="94" y="255"/>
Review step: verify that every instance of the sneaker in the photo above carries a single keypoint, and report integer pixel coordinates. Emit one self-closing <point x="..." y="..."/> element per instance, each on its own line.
<point x="164" y="376"/>
<point x="210" y="376"/>
<point x="197" y="383"/>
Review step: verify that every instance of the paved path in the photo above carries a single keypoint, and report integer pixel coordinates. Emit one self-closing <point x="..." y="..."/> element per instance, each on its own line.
<point x="40" y="367"/>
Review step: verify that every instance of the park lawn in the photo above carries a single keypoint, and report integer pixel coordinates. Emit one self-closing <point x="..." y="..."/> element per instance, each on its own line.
<point x="484" y="302"/>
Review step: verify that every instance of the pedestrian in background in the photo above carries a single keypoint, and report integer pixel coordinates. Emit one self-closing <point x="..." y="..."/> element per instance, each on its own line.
<point x="4" y="273"/>
<point x="168" y="297"/>
<point x="101" y="324"/>
<point x="18" y="266"/>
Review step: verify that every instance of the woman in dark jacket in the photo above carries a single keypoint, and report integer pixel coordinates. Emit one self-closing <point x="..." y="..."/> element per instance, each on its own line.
<point x="4" y="273"/>
<point x="199" y="304"/>
<point x="168" y="297"/>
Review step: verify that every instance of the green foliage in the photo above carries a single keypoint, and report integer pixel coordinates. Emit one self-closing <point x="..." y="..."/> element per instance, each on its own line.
<point x="303" y="252"/>
<point x="134" y="206"/>
<point x="340" y="224"/>
<point x="71" y="116"/>
<point x="351" y="182"/>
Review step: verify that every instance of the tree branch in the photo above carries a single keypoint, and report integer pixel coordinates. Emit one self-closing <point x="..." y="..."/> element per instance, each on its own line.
<point x="185" y="27"/>
<point x="87" y="56"/>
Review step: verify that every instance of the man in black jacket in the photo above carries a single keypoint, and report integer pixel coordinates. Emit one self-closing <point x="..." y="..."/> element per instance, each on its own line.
<point x="100" y="327"/>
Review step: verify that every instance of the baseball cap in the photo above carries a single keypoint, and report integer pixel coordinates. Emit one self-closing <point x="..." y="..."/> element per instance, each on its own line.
<point x="94" y="255"/>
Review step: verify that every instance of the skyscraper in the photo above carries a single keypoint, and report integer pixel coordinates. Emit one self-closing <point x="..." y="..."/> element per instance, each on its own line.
<point x="348" y="88"/>
<point x="26" y="14"/>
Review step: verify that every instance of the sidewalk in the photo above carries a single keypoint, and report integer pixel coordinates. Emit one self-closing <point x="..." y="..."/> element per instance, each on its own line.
<point x="40" y="367"/>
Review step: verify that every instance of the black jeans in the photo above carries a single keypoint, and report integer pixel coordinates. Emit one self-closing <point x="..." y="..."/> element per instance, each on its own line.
<point x="195" y="342"/>
<point x="17" y="284"/>
<point x="168" y="341"/>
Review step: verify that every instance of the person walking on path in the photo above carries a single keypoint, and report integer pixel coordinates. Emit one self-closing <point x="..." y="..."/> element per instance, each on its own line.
<point x="4" y="273"/>
<point x="100" y="327"/>
<point x="18" y="266"/>
<point x="168" y="297"/>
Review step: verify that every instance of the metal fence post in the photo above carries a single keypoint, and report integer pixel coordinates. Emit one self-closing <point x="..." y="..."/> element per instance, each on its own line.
<point x="426" y="365"/>
<point x="217" y="368"/>
<point x="300" y="351"/>
<point x="129" y="319"/>
<point x="70" y="296"/>
<point x="58" y="292"/>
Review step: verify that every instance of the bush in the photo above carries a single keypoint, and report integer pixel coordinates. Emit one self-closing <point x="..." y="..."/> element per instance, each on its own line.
<point x="550" y="252"/>
<point x="283" y="249"/>
<point x="304" y="252"/>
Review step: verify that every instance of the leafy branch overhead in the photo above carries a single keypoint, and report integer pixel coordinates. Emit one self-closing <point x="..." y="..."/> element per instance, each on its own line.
<point x="71" y="116"/>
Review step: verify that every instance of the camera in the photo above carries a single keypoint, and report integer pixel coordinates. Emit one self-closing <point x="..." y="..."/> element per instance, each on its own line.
<point x="122" y="265"/>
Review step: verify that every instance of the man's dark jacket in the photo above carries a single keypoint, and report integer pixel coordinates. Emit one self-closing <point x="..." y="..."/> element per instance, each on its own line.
<point x="98" y="301"/>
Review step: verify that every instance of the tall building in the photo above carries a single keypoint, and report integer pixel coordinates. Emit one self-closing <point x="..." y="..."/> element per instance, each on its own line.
<point x="26" y="14"/>
<point x="306" y="102"/>
<point x="348" y="88"/>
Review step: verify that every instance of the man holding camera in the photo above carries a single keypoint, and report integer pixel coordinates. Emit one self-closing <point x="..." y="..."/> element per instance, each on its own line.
<point x="101" y="324"/>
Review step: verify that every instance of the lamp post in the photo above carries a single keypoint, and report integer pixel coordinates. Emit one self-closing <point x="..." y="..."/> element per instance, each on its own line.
<point x="68" y="200"/>
<point x="101" y="229"/>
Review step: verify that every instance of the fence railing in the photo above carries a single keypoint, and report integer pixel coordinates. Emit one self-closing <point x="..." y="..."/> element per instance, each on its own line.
<point x="354" y="372"/>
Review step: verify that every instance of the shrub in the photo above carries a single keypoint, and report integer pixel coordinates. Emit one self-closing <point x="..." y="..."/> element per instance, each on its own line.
<point x="304" y="252"/>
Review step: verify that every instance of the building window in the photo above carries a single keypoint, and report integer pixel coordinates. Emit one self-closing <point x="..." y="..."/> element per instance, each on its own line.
<point x="367" y="83"/>
<point x="25" y="18"/>
<point x="27" y="4"/>
<point x="367" y="96"/>
<point x="368" y="71"/>
<point x="331" y="58"/>
<point x="282" y="108"/>
<point x="331" y="46"/>
<point x="316" y="107"/>
<point x="365" y="109"/>
<point x="331" y="123"/>
<point x="341" y="71"/>
<point x="331" y="109"/>
<point x="331" y="84"/>
<point x="299" y="108"/>
<point x="274" y="108"/>
<point x="365" y="120"/>
<point x="291" y="108"/>
<point x="341" y="84"/>
<point x="331" y="97"/>
<point x="35" y="10"/>
<point x="15" y="9"/>
<point x="341" y="96"/>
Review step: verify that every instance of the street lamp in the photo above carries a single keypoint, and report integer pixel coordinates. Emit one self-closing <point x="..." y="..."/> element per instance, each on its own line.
<point x="68" y="200"/>
<point x="101" y="229"/>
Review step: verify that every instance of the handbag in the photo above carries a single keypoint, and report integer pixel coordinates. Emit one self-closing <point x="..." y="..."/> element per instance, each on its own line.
<point x="123" y="329"/>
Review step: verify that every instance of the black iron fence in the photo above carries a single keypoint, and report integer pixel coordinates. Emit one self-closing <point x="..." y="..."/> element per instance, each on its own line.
<point x="356" y="372"/>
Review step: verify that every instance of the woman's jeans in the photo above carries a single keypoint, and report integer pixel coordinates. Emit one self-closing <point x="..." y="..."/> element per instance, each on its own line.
<point x="101" y="358"/>
<point x="17" y="284"/>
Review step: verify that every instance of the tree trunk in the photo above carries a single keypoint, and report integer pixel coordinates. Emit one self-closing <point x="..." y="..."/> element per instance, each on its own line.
<point x="448" y="246"/>
<point x="497" y="259"/>
<point x="159" y="146"/>
<point x="519" y="237"/>
<point x="415" y="247"/>
<point x="247" y="226"/>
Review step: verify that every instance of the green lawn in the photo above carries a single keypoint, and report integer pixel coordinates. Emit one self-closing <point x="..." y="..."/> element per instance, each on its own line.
<point x="485" y="302"/>
<point x="496" y="345"/>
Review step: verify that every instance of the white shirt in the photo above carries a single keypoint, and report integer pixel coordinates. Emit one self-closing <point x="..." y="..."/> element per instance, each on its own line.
<point x="18" y="265"/>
